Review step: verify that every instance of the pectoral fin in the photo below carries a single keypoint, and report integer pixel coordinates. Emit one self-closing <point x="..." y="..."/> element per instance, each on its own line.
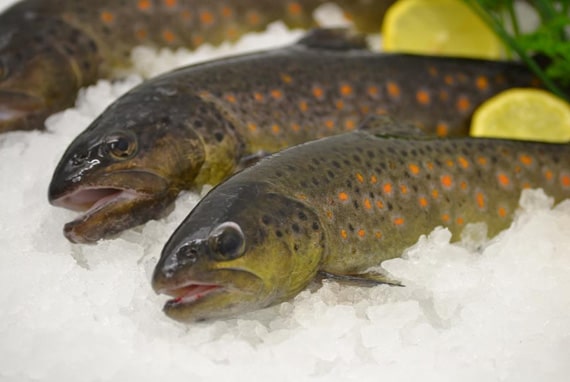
<point x="368" y="279"/>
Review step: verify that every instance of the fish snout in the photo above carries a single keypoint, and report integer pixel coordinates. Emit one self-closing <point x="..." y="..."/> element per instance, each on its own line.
<point x="20" y="111"/>
<point x="171" y="262"/>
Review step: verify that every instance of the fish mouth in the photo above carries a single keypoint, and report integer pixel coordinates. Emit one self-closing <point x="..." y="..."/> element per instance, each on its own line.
<point x="20" y="111"/>
<point x="107" y="211"/>
<point x="189" y="293"/>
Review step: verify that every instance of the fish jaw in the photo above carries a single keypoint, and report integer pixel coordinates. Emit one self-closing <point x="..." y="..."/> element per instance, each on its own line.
<point x="214" y="294"/>
<point x="20" y="111"/>
<point x="109" y="206"/>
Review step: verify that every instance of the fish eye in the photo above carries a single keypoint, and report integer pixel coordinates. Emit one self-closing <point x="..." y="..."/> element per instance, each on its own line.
<point x="227" y="241"/>
<point x="120" y="146"/>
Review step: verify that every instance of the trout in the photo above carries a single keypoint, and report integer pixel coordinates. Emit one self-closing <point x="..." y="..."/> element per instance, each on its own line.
<point x="338" y="206"/>
<point x="49" y="49"/>
<point x="197" y="125"/>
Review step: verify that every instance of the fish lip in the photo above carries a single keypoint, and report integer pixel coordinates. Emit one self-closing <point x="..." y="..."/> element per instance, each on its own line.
<point x="18" y="110"/>
<point x="89" y="198"/>
<point x="189" y="292"/>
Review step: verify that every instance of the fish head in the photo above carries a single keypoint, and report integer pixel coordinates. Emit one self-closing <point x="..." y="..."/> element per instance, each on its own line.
<point x="129" y="165"/>
<point x="40" y="71"/>
<point x="239" y="250"/>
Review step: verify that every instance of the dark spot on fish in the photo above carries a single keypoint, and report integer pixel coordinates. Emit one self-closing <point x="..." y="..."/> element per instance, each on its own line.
<point x="384" y="166"/>
<point x="350" y="227"/>
<point x="315" y="181"/>
<point x="303" y="184"/>
<point x="346" y="162"/>
<point x="494" y="159"/>
<point x="296" y="247"/>
<point x="404" y="153"/>
<point x="415" y="188"/>
<point x="355" y="204"/>
<point x="316" y="161"/>
<point x="372" y="195"/>
<point x="302" y="215"/>
<point x="336" y="164"/>
<point x="390" y="206"/>
<point x="219" y="136"/>
<point x="356" y="158"/>
<point x="414" y="153"/>
<point x="265" y="219"/>
<point x="295" y="227"/>
<point x="370" y="154"/>
<point x="198" y="123"/>
<point x="315" y="226"/>
<point x="330" y="174"/>
<point x="278" y="233"/>
<point x="348" y="183"/>
<point x="279" y="173"/>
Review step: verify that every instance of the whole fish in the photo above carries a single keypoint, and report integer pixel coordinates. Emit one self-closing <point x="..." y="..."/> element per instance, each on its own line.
<point x="339" y="206"/>
<point x="49" y="49"/>
<point x="196" y="125"/>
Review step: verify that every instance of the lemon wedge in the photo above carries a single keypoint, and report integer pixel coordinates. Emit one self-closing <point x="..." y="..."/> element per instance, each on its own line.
<point x="438" y="27"/>
<point x="529" y="114"/>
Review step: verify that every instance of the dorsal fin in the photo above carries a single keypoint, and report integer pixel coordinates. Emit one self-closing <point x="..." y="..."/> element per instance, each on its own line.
<point x="333" y="39"/>
<point x="386" y="126"/>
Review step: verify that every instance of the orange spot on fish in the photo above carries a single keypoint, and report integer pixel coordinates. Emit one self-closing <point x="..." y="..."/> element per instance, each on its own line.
<point x="446" y="181"/>
<point x="303" y="105"/>
<point x="295" y="127"/>
<point x="294" y="8"/>
<point x="399" y="221"/>
<point x="463" y="185"/>
<point x="548" y="174"/>
<point x="502" y="212"/>
<point x="197" y="40"/>
<point x="429" y="165"/>
<point x="442" y="129"/>
<point x="432" y="70"/>
<point x="443" y="95"/>
<point x="339" y="104"/>
<point x="359" y="177"/>
<point x="346" y="90"/>
<point x="343" y="234"/>
<point x="275" y="129"/>
<point x="381" y="111"/>
<point x="387" y="188"/>
<point x="227" y="12"/>
<point x="232" y="33"/>
<point x="434" y="193"/>
<point x="423" y="202"/>
<point x="230" y="98"/>
<point x="342" y="196"/>
<point x="393" y="89"/>
<point x="459" y="220"/>
<point x="378" y="235"/>
<point x="373" y="91"/>
<point x="141" y="33"/>
<point x="414" y="168"/>
<point x="403" y="189"/>
<point x="329" y="123"/>
<point x="364" y="109"/>
<point x="301" y="196"/>
<point x="423" y="97"/>
<point x="373" y="179"/>
<point x="286" y="78"/>
<point x="526" y="159"/>
<point x="253" y="18"/>
<point x="565" y="180"/>
<point x="252" y="126"/>
<point x="503" y="179"/>
<point x="144" y="5"/>
<point x="318" y="92"/>
<point x="330" y="215"/>
<point x="482" y="83"/>
<point x="448" y="80"/>
<point x="186" y="15"/>
<point x="170" y="3"/>
<point x="168" y="36"/>
<point x="463" y="162"/>
<point x="463" y="104"/>
<point x="480" y="199"/>
<point x="107" y="17"/>
<point x="349" y="124"/>
<point x="500" y="79"/>
<point x="380" y="204"/>
<point x="367" y="204"/>
<point x="258" y="97"/>
<point x="361" y="233"/>
<point x="445" y="218"/>
<point x="277" y="94"/>
<point x="449" y="163"/>
<point x="482" y="161"/>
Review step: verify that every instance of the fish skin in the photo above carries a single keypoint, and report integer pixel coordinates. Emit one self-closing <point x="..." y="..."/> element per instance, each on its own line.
<point x="49" y="49"/>
<point x="217" y="113"/>
<point x="325" y="207"/>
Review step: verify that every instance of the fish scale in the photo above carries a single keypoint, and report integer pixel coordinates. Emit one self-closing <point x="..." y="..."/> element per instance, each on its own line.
<point x="49" y="49"/>
<point x="343" y="204"/>
<point x="216" y="116"/>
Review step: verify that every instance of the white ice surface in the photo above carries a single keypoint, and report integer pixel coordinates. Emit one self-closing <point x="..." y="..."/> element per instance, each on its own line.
<point x="497" y="310"/>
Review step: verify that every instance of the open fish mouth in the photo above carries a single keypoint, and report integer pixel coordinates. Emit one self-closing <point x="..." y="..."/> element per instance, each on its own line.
<point x="189" y="293"/>
<point x="93" y="199"/>
<point x="19" y="111"/>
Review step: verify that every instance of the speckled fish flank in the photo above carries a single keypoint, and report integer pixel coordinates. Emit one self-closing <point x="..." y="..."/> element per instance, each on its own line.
<point x="49" y="49"/>
<point x="339" y="206"/>
<point x="196" y="125"/>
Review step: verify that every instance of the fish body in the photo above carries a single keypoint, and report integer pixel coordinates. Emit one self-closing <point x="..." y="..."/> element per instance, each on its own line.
<point x="339" y="206"/>
<point x="49" y="49"/>
<point x="196" y="125"/>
